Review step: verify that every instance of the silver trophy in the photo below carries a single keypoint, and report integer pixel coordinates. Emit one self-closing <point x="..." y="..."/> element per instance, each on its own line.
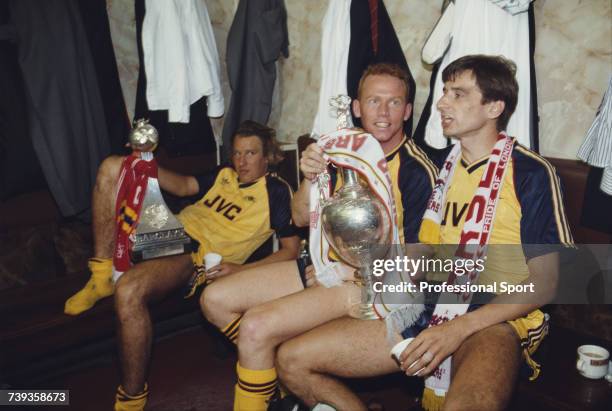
<point x="356" y="225"/>
<point x="158" y="233"/>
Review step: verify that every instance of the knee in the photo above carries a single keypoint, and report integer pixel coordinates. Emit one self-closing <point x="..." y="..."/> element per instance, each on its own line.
<point x="472" y="402"/>
<point x="213" y="303"/>
<point x="479" y="396"/>
<point x="128" y="295"/>
<point x="290" y="363"/>
<point x="256" y="330"/>
<point x="108" y="172"/>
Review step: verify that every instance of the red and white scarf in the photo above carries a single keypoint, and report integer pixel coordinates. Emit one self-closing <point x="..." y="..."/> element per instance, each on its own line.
<point x="473" y="242"/>
<point x="357" y="150"/>
<point x="132" y="186"/>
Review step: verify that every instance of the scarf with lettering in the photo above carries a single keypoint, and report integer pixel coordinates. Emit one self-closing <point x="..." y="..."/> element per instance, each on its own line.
<point x="357" y="150"/>
<point x="473" y="243"/>
<point x="132" y="186"/>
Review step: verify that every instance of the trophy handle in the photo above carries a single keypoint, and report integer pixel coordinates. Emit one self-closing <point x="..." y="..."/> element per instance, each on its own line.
<point x="322" y="186"/>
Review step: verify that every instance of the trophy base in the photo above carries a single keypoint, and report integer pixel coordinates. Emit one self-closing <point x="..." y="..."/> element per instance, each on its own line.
<point x="363" y="311"/>
<point x="161" y="250"/>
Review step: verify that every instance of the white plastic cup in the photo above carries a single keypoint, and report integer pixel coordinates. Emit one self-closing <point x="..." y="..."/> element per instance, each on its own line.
<point x="399" y="348"/>
<point x="211" y="260"/>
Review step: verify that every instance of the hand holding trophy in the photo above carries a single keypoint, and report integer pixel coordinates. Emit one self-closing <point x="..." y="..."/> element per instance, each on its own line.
<point x="356" y="223"/>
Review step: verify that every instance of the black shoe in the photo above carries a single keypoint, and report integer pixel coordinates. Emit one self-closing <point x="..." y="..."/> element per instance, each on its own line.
<point x="289" y="403"/>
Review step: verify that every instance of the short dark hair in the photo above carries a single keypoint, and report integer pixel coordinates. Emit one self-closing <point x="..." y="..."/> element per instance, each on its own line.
<point x="495" y="77"/>
<point x="389" y="69"/>
<point x="266" y="135"/>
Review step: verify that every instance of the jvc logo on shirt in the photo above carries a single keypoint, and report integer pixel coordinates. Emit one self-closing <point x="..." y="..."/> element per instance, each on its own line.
<point x="228" y="209"/>
<point x="457" y="213"/>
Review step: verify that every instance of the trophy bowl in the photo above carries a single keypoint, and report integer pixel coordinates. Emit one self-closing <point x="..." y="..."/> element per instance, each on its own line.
<point x="358" y="227"/>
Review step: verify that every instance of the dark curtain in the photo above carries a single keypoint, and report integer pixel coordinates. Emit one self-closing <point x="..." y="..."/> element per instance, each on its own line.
<point x="596" y="205"/>
<point x="19" y="168"/>
<point x="95" y="22"/>
<point x="66" y="116"/>
<point x="534" y="117"/>
<point x="361" y="49"/>
<point x="257" y="38"/>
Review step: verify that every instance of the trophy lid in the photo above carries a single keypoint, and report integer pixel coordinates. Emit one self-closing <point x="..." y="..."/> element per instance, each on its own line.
<point x="341" y="105"/>
<point x="143" y="137"/>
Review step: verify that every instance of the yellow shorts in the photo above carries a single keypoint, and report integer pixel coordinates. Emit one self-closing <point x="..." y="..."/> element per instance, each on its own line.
<point x="531" y="330"/>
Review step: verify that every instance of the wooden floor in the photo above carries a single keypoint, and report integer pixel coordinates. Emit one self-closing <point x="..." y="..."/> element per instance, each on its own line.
<point x="40" y="347"/>
<point x="187" y="374"/>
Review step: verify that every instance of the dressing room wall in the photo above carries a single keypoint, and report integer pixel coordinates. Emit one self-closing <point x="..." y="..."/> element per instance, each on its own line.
<point x="573" y="61"/>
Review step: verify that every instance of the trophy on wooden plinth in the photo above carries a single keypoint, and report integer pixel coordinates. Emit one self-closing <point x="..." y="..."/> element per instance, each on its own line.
<point x="158" y="232"/>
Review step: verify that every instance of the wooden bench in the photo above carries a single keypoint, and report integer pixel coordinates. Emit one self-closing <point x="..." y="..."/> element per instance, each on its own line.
<point x="38" y="339"/>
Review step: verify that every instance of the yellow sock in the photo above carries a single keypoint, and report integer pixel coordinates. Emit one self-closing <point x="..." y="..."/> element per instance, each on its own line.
<point x="231" y="330"/>
<point x="100" y="285"/>
<point x="431" y="401"/>
<point x="125" y="402"/>
<point x="254" y="389"/>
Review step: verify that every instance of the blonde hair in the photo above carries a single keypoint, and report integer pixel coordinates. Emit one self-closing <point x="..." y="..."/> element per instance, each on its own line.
<point x="389" y="69"/>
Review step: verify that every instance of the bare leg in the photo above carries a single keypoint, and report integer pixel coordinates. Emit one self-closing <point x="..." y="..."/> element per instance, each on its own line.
<point x="103" y="207"/>
<point x="100" y="283"/>
<point x="484" y="370"/>
<point x="482" y="366"/>
<point x="265" y="326"/>
<point x="345" y="348"/>
<point x="230" y="296"/>
<point x="145" y="283"/>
